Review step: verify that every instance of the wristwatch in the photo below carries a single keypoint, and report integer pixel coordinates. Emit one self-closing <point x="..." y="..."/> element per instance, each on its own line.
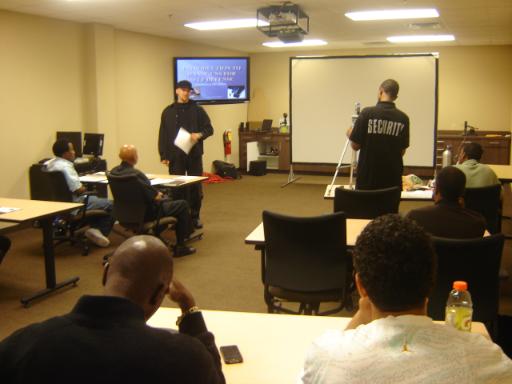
<point x="193" y="309"/>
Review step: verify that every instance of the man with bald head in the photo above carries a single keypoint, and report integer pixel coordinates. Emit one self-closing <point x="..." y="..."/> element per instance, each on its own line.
<point x="104" y="339"/>
<point x="153" y="199"/>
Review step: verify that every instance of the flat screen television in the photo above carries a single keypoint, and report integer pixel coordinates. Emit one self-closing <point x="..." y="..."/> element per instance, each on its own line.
<point x="75" y="138"/>
<point x="93" y="144"/>
<point x="215" y="80"/>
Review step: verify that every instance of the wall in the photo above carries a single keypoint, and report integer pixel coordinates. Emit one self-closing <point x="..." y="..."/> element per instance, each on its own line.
<point x="58" y="75"/>
<point x="475" y="84"/>
<point x="41" y="91"/>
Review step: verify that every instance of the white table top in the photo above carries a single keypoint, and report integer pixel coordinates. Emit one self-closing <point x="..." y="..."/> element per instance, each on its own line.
<point x="156" y="179"/>
<point x="33" y="209"/>
<point x="273" y="346"/>
<point x="405" y="195"/>
<point x="354" y="228"/>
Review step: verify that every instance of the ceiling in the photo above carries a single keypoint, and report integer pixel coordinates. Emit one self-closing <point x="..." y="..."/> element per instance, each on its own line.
<point x="473" y="22"/>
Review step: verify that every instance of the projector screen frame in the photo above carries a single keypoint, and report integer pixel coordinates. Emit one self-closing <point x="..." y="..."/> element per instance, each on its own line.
<point x="434" y="55"/>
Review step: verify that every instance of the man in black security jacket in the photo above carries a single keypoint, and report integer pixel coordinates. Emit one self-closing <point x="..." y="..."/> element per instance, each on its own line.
<point x="105" y="339"/>
<point x="176" y="208"/>
<point x="185" y="113"/>
<point x="382" y="134"/>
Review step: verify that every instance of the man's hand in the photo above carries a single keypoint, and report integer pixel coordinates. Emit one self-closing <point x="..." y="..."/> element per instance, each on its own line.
<point x="159" y="196"/>
<point x="81" y="190"/>
<point x="195" y="137"/>
<point x="181" y="296"/>
<point x="349" y="132"/>
<point x="165" y="162"/>
<point x="363" y="315"/>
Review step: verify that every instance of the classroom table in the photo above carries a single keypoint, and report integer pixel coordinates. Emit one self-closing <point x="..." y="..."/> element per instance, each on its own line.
<point x="273" y="346"/>
<point x="354" y="228"/>
<point x="504" y="172"/>
<point x="44" y="212"/>
<point x="417" y="195"/>
<point x="6" y="226"/>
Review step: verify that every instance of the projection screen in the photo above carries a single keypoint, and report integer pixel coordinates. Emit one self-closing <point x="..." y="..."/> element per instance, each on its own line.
<point x="324" y="90"/>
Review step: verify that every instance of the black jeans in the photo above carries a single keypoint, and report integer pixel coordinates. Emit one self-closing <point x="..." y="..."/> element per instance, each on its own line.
<point x="180" y="210"/>
<point x="193" y="194"/>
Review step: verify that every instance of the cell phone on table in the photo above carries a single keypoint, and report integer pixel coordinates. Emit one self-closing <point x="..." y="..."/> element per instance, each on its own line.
<point x="231" y="354"/>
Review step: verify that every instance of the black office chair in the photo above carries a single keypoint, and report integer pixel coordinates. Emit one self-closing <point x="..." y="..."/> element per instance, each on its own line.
<point x="305" y="261"/>
<point x="366" y="204"/>
<point x="130" y="207"/>
<point x="486" y="201"/>
<point x="476" y="261"/>
<point x="52" y="186"/>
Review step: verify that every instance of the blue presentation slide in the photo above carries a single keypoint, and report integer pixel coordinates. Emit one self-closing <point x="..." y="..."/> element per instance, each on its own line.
<point x="215" y="79"/>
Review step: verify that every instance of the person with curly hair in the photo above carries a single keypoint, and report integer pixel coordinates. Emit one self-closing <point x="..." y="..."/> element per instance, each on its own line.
<point x="390" y="339"/>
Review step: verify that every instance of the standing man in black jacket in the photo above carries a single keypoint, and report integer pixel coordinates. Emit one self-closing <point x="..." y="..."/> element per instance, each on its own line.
<point x="186" y="114"/>
<point x="105" y="339"/>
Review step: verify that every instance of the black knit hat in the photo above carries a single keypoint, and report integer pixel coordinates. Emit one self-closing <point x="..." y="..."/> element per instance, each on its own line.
<point x="185" y="84"/>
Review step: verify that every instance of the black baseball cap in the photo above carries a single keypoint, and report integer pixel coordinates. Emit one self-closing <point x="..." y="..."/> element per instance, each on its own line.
<point x="185" y="84"/>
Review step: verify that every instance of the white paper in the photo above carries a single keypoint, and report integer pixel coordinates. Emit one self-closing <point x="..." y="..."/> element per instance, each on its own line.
<point x="159" y="180"/>
<point x="94" y="178"/>
<point x="8" y="209"/>
<point x="183" y="140"/>
<point x="185" y="178"/>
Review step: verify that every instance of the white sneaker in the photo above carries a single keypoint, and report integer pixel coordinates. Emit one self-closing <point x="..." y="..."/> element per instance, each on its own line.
<point x="97" y="237"/>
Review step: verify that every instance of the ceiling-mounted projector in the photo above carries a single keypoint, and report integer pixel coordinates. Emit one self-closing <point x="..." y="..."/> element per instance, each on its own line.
<point x="287" y="22"/>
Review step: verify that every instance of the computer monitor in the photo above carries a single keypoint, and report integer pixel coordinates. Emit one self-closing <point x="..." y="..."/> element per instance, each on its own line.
<point x="266" y="125"/>
<point x="93" y="144"/>
<point x="75" y="138"/>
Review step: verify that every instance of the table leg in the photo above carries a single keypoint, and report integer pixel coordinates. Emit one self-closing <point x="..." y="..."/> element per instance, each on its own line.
<point x="261" y="248"/>
<point x="49" y="266"/>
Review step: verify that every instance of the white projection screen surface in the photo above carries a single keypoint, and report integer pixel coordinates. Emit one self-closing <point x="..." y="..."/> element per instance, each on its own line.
<point x="324" y="90"/>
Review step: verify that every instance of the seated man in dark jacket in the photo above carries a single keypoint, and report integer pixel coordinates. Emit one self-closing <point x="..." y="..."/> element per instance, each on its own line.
<point x="104" y="339"/>
<point x="448" y="217"/>
<point x="178" y="208"/>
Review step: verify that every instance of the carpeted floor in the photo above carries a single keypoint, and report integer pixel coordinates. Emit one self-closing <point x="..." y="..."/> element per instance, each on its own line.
<point x="224" y="274"/>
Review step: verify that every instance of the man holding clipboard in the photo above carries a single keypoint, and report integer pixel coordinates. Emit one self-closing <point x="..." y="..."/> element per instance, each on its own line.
<point x="183" y="151"/>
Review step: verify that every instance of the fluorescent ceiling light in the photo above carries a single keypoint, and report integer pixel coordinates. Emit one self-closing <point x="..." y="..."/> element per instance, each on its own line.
<point x="393" y="14"/>
<point x="303" y="43"/>
<point x="420" y="38"/>
<point x="225" y="24"/>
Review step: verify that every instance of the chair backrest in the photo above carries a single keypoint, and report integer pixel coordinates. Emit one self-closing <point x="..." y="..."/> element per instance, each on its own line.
<point x="50" y="186"/>
<point x="486" y="201"/>
<point x="306" y="254"/>
<point x="129" y="200"/>
<point x="476" y="261"/>
<point x="366" y="204"/>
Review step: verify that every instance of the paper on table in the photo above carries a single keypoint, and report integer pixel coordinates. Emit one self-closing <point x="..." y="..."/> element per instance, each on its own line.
<point x="8" y="209"/>
<point x="183" y="140"/>
<point x="160" y="180"/>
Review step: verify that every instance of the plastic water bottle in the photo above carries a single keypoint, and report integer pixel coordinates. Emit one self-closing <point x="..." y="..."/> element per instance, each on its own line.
<point x="447" y="156"/>
<point x="459" y="307"/>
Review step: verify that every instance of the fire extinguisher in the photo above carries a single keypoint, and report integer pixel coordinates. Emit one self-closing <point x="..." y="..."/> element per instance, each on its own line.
<point x="226" y="137"/>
